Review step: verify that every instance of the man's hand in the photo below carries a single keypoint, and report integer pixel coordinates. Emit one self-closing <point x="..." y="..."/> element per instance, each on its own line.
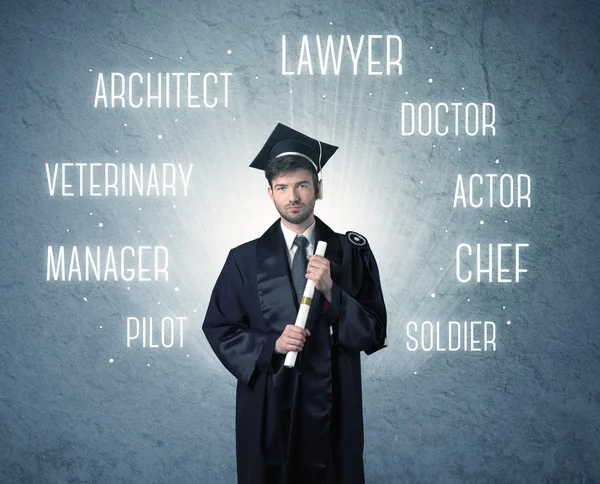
<point x="318" y="271"/>
<point x="292" y="339"/>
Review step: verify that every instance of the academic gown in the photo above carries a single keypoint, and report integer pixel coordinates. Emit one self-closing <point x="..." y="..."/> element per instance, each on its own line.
<point x="292" y="424"/>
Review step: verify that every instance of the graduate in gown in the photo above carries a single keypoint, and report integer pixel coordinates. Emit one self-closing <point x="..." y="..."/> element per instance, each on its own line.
<point x="302" y="424"/>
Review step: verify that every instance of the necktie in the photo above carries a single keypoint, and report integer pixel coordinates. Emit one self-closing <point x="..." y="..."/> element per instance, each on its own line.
<point x="299" y="265"/>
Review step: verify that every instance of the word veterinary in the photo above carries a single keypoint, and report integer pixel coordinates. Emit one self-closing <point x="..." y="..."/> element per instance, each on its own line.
<point x="110" y="179"/>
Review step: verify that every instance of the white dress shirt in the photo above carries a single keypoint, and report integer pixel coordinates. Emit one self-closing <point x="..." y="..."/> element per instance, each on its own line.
<point x="290" y="235"/>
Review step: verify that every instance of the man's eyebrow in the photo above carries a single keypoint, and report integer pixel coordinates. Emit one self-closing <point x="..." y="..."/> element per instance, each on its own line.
<point x="286" y="184"/>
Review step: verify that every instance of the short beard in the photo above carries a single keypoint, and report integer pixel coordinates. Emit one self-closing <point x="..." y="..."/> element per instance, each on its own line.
<point x="298" y="218"/>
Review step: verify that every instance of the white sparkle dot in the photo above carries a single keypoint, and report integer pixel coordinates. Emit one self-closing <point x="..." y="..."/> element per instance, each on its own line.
<point x="433" y="294"/>
<point x="463" y="88"/>
<point x="176" y="120"/>
<point x="194" y="311"/>
<point x="100" y="224"/>
<point x="508" y="322"/>
<point x="290" y="91"/>
<point x="497" y="160"/>
<point x="421" y="181"/>
<point x="446" y="230"/>
<point x="116" y="151"/>
<point x="468" y="300"/>
<point x="110" y="360"/>
<point x="370" y="94"/>
<point x="506" y="221"/>
<point x="90" y="70"/>
<point x="177" y="289"/>
<point x="458" y="149"/>
<point x="481" y="222"/>
<point x="100" y="326"/>
<point x="187" y="356"/>
<point x="323" y="95"/>
<point x="158" y="302"/>
<point x="441" y="268"/>
<point x="257" y="77"/>
<point x="234" y="119"/>
<point x="415" y="372"/>
<point x="138" y="231"/>
<point x="171" y="235"/>
<point x="229" y="51"/>
<point x="430" y="81"/>
<point x="330" y="23"/>
<point x="173" y="205"/>
<point x="124" y="124"/>
<point x="406" y="92"/>
<point x="503" y="307"/>
<point x="128" y="288"/>
<point x="67" y="230"/>
<point x="140" y="209"/>
<point x="180" y="58"/>
<point x="151" y="57"/>
<point x="434" y="146"/>
<point x="90" y="213"/>
<point x="431" y="47"/>
<point x="85" y="298"/>
<point x="148" y="364"/>
<point x="160" y="136"/>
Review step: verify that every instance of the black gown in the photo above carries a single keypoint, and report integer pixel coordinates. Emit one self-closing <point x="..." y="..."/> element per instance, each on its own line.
<point x="300" y="425"/>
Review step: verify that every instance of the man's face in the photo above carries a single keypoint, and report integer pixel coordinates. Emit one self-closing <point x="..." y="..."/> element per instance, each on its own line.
<point x="294" y="196"/>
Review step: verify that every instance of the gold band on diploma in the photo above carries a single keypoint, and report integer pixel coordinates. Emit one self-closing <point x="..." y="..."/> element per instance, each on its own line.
<point x="306" y="300"/>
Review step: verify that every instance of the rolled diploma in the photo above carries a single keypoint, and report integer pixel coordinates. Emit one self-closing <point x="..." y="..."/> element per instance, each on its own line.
<point x="309" y="290"/>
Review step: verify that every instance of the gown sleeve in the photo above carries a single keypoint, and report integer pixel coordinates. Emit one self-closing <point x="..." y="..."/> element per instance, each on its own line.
<point x="357" y="311"/>
<point x="242" y="349"/>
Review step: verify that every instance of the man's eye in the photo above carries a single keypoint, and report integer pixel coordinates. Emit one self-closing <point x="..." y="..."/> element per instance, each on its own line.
<point x="280" y="188"/>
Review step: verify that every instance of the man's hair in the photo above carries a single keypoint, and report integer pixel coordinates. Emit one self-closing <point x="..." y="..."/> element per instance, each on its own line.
<point x="287" y="163"/>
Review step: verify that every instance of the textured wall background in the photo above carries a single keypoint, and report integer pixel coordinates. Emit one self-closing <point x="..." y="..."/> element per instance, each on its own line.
<point x="528" y="412"/>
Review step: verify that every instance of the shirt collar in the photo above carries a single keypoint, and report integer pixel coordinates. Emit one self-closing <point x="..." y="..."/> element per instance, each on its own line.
<point x="290" y="235"/>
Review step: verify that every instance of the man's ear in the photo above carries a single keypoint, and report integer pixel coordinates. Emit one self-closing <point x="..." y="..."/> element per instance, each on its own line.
<point x="319" y="190"/>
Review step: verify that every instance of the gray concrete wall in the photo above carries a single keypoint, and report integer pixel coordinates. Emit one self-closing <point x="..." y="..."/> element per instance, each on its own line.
<point x="79" y="405"/>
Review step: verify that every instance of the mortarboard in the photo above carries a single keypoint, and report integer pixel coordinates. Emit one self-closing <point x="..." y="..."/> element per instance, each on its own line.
<point x="287" y="141"/>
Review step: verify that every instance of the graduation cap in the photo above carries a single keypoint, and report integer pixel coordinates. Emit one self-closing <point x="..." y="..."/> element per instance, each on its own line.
<point x="285" y="141"/>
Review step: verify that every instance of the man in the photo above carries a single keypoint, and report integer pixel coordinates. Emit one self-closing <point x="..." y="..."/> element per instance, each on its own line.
<point x="300" y="425"/>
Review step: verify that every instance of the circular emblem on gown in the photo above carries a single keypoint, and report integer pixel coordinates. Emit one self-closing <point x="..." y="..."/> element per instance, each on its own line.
<point x="356" y="239"/>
